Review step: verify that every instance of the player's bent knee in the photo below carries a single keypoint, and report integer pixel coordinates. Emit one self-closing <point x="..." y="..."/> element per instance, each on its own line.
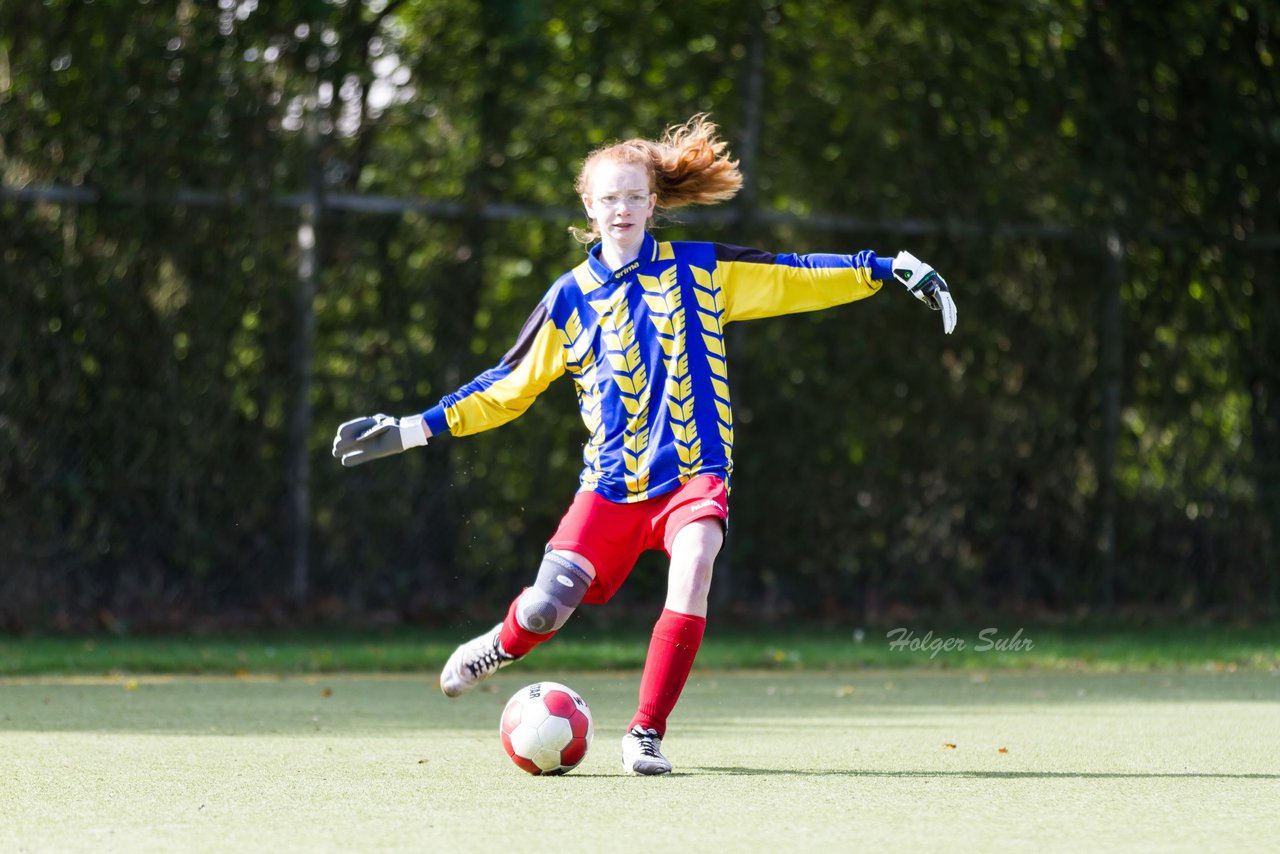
<point x="548" y="604"/>
<point x="692" y="581"/>
<point x="689" y="579"/>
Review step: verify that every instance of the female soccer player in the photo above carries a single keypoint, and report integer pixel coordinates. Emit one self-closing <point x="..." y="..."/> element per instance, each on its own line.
<point x="639" y="325"/>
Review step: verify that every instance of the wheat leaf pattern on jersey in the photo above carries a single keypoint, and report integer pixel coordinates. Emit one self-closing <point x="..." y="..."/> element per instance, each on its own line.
<point x="629" y="374"/>
<point x="710" y="298"/>
<point x="663" y="296"/>
<point x="583" y="367"/>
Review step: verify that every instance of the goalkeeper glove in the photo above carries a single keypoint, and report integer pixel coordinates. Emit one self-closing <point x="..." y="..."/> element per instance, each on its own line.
<point x="377" y="436"/>
<point x="924" y="282"/>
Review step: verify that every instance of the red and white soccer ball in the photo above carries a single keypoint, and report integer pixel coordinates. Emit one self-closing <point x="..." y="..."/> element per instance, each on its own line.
<point x="546" y="728"/>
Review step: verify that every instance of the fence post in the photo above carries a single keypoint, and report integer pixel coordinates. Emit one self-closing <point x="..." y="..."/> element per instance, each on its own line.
<point x="747" y="220"/>
<point x="300" y="414"/>
<point x="1110" y="371"/>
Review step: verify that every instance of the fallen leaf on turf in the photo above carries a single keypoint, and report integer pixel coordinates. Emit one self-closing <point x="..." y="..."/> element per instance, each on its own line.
<point x="845" y="691"/>
<point x="949" y="746"/>
<point x="1002" y="750"/>
<point x="326" y="693"/>
<point x="131" y="685"/>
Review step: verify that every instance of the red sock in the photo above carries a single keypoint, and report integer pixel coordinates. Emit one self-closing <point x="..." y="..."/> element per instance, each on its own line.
<point x="516" y="639"/>
<point x="675" y="642"/>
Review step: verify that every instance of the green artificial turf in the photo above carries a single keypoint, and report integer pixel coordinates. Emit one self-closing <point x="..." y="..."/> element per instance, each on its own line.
<point x="782" y="760"/>
<point x="598" y="647"/>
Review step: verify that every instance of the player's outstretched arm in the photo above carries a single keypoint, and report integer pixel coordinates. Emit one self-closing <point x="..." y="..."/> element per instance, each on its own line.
<point x="924" y="282"/>
<point x="375" y="436"/>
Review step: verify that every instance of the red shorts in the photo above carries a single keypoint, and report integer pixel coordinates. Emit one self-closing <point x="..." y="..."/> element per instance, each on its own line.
<point x="612" y="535"/>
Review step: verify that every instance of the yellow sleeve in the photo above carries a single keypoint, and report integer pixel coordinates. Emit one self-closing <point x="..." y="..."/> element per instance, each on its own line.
<point x="506" y="391"/>
<point x="759" y="284"/>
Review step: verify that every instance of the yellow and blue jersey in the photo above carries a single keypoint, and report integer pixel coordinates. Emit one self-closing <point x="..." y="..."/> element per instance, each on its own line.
<point x="645" y="347"/>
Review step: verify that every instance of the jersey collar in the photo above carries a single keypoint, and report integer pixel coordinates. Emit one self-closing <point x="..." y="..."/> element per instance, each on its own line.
<point x="602" y="274"/>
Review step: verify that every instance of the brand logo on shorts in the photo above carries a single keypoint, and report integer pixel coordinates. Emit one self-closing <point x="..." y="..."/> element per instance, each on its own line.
<point x="703" y="505"/>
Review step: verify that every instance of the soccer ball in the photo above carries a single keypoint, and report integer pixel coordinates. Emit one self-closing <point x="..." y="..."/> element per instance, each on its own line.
<point x="546" y="728"/>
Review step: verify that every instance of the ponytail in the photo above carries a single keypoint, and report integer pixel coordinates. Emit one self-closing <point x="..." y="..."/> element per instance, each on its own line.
<point x="687" y="166"/>
<point x="691" y="166"/>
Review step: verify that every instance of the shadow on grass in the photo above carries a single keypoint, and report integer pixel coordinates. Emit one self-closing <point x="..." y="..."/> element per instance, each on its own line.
<point x="988" y="775"/>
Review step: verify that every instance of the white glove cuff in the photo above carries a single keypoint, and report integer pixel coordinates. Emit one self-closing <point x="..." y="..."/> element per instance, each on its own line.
<point x="908" y="268"/>
<point x="413" y="431"/>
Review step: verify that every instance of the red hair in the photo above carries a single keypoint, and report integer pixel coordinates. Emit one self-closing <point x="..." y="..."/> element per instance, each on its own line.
<point x="687" y="166"/>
